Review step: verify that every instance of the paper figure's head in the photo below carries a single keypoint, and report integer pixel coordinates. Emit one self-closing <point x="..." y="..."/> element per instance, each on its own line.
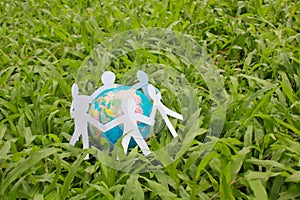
<point x="128" y="105"/>
<point x="142" y="76"/>
<point x="152" y="93"/>
<point x="74" y="90"/>
<point x="80" y="102"/>
<point x="108" y="78"/>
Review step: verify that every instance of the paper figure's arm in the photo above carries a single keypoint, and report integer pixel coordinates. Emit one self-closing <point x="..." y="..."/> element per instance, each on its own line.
<point x="96" y="123"/>
<point x="100" y="90"/>
<point x="171" y="112"/>
<point x="96" y="93"/>
<point x="144" y="119"/>
<point x="139" y="85"/>
<point x="113" y="123"/>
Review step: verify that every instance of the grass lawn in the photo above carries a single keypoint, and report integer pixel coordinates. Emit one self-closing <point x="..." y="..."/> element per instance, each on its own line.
<point x="255" y="46"/>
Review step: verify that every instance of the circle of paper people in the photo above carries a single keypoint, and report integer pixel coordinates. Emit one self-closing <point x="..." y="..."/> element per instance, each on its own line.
<point x="107" y="106"/>
<point x="129" y="119"/>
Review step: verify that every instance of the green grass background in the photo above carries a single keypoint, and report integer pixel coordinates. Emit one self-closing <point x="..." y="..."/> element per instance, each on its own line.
<point x="254" y="44"/>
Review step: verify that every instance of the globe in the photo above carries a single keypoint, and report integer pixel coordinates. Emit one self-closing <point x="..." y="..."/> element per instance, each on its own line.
<point x="107" y="107"/>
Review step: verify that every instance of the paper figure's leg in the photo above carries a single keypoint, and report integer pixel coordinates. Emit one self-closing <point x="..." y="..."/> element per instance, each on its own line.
<point x="152" y="114"/>
<point x="74" y="137"/>
<point x="143" y="145"/>
<point x="125" y="143"/>
<point x="85" y="141"/>
<point x="170" y="126"/>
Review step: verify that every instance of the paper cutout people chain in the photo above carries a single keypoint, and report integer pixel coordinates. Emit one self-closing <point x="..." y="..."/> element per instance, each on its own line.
<point x="80" y="106"/>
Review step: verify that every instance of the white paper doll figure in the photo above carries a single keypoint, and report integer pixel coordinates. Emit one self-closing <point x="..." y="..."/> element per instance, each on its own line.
<point x="130" y="119"/>
<point x="163" y="110"/>
<point x="79" y="111"/>
<point x="143" y="83"/>
<point x="108" y="79"/>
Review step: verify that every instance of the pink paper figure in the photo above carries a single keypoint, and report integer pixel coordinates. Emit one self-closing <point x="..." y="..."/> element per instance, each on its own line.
<point x="79" y="111"/>
<point x="130" y="119"/>
<point x="163" y="110"/>
<point x="143" y="83"/>
<point x="108" y="79"/>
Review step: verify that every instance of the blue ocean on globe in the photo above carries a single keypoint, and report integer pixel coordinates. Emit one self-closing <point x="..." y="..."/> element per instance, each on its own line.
<point x="107" y="107"/>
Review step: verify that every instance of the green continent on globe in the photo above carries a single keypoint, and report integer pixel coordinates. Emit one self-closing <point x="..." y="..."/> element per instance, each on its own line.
<point x="107" y="107"/>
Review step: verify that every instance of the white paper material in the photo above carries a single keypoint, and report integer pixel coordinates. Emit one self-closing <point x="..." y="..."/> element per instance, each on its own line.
<point x="80" y="106"/>
<point x="163" y="110"/>
<point x="108" y="79"/>
<point x="78" y="111"/>
<point x="130" y="119"/>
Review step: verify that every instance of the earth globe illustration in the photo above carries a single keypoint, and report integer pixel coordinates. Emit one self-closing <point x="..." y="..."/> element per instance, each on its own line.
<point x="107" y="107"/>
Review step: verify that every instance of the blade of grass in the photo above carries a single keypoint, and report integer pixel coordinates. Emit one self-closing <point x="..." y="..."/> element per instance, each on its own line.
<point x="24" y="165"/>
